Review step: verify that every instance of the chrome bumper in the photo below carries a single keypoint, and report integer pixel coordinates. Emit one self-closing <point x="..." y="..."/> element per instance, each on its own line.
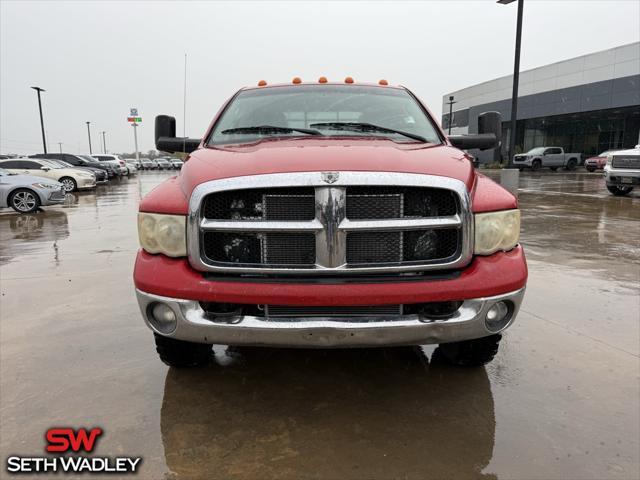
<point x="615" y="176"/>
<point x="466" y="324"/>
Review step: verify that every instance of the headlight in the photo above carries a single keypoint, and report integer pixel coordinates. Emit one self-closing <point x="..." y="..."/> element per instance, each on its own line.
<point x="609" y="159"/>
<point x="163" y="234"/>
<point x="496" y="231"/>
<point x="50" y="186"/>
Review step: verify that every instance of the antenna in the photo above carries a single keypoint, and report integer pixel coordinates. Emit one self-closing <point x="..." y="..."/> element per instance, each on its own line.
<point x="184" y="108"/>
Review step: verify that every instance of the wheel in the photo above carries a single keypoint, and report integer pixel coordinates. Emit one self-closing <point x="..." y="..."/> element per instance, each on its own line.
<point x="536" y="165"/>
<point x="24" y="200"/>
<point x="68" y="184"/>
<point x="571" y="164"/>
<point x="590" y="169"/>
<point x="470" y="353"/>
<point x="554" y="169"/>
<point x="619" y="191"/>
<point x="178" y="353"/>
<point x="520" y="169"/>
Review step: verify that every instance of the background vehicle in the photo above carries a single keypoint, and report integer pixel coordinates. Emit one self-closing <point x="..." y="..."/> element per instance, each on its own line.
<point x="622" y="171"/>
<point x="100" y="174"/>
<point x="164" y="163"/>
<point x="176" y="163"/>
<point x="134" y="162"/>
<point x="114" y="160"/>
<point x="147" y="164"/>
<point x="71" y="178"/>
<point x="131" y="168"/>
<point x="25" y="193"/>
<point x="313" y="244"/>
<point x="547" y="157"/>
<point x="84" y="161"/>
<point x="598" y="162"/>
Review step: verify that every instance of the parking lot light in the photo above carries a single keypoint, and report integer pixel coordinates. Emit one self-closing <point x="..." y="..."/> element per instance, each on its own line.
<point x="44" y="141"/>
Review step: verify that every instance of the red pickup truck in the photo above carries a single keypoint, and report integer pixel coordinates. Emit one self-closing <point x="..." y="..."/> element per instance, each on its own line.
<point x="328" y="215"/>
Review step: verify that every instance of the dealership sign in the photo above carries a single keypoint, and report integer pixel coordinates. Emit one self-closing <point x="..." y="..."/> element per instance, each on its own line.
<point x="69" y="441"/>
<point x="133" y="116"/>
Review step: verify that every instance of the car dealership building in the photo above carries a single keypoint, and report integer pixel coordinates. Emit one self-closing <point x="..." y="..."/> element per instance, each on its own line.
<point x="586" y="104"/>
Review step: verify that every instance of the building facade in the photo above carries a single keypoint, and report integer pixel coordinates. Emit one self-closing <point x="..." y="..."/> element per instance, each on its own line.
<point x="586" y="104"/>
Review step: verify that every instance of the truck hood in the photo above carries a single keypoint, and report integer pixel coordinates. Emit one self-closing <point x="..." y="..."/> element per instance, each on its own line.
<point x="311" y="155"/>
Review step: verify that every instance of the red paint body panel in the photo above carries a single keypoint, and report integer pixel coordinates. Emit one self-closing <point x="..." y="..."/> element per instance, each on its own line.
<point x="167" y="197"/>
<point x="488" y="196"/>
<point x="486" y="276"/>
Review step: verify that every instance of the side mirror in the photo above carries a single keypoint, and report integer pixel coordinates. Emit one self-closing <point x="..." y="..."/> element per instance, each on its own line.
<point x="489" y="134"/>
<point x="166" y="140"/>
<point x="46" y="169"/>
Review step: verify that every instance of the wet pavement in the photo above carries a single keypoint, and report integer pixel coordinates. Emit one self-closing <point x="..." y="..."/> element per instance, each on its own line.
<point x="561" y="400"/>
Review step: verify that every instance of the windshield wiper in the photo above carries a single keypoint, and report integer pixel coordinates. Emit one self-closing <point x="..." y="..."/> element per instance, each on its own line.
<point x="270" y="129"/>
<point x="367" y="127"/>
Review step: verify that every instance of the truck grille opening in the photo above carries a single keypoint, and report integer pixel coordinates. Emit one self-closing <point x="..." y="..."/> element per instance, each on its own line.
<point x="397" y="247"/>
<point x="260" y="248"/>
<point x="626" y="162"/>
<point x="368" y="203"/>
<point x="286" y="204"/>
<point x="233" y="312"/>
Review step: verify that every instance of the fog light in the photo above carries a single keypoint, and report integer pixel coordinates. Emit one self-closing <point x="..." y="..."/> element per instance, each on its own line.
<point x="162" y="317"/>
<point x="497" y="316"/>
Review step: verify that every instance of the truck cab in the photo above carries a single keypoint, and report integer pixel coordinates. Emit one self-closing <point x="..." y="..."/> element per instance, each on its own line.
<point x="328" y="215"/>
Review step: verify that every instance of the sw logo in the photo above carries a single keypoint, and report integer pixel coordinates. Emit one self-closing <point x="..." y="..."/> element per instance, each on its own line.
<point x="67" y="440"/>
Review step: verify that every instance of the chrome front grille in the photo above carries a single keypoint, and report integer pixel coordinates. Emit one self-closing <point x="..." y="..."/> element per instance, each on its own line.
<point x="620" y="161"/>
<point x="279" y="311"/>
<point x="300" y="223"/>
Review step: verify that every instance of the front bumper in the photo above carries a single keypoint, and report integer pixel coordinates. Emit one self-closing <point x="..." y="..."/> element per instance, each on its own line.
<point x="52" y="197"/>
<point x="486" y="280"/>
<point x="622" y="177"/>
<point x="467" y="323"/>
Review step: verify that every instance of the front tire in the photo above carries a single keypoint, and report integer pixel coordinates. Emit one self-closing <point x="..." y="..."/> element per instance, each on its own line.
<point x="24" y="200"/>
<point x="536" y="165"/>
<point x="181" y="354"/>
<point x="590" y="169"/>
<point x="554" y="169"/>
<point x="619" y="191"/>
<point x="68" y="184"/>
<point x="470" y="353"/>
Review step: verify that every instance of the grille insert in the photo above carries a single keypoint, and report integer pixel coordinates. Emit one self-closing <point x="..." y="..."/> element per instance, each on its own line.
<point x="293" y="204"/>
<point x="260" y="248"/>
<point x="280" y="311"/>
<point x="397" y="247"/>
<point x="625" y="162"/>
<point x="369" y="203"/>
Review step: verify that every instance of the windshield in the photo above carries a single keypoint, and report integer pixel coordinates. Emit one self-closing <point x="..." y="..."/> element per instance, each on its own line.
<point x="329" y="110"/>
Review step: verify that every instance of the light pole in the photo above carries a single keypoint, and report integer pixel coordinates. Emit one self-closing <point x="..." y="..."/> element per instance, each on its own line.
<point x="104" y="142"/>
<point x="60" y="146"/>
<point x="450" y="103"/>
<point x="135" y="139"/>
<point x="516" y="79"/>
<point x="44" y="141"/>
<point x="89" y="134"/>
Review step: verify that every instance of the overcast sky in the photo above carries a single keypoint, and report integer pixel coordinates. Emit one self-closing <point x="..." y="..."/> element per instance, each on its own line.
<point x="97" y="59"/>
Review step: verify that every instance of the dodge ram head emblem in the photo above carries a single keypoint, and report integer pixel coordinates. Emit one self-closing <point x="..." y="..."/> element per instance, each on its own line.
<point x="330" y="177"/>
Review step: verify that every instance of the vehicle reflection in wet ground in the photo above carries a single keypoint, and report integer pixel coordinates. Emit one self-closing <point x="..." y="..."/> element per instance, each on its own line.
<point x="561" y="400"/>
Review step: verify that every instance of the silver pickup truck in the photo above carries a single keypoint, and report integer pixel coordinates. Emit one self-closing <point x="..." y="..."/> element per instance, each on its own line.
<point x="622" y="171"/>
<point x="547" y="157"/>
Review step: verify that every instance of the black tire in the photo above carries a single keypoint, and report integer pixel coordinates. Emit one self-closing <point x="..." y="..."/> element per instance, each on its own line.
<point x="536" y="165"/>
<point x="554" y="169"/>
<point x="24" y="200"/>
<point x="520" y="169"/>
<point x="590" y="169"/>
<point x="470" y="353"/>
<point x="69" y="184"/>
<point x="571" y="164"/>
<point x="619" y="191"/>
<point x="178" y="353"/>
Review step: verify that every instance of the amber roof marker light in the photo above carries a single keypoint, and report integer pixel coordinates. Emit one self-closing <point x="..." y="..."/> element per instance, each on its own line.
<point x="383" y="82"/>
<point x="296" y="80"/>
<point x="348" y="80"/>
<point x="262" y="83"/>
<point x="322" y="80"/>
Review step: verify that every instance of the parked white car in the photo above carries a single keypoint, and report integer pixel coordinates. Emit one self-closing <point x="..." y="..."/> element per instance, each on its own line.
<point x="176" y="163"/>
<point x="25" y="193"/>
<point x="622" y="171"/>
<point x="70" y="178"/>
<point x="113" y="159"/>
<point x="147" y="164"/>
